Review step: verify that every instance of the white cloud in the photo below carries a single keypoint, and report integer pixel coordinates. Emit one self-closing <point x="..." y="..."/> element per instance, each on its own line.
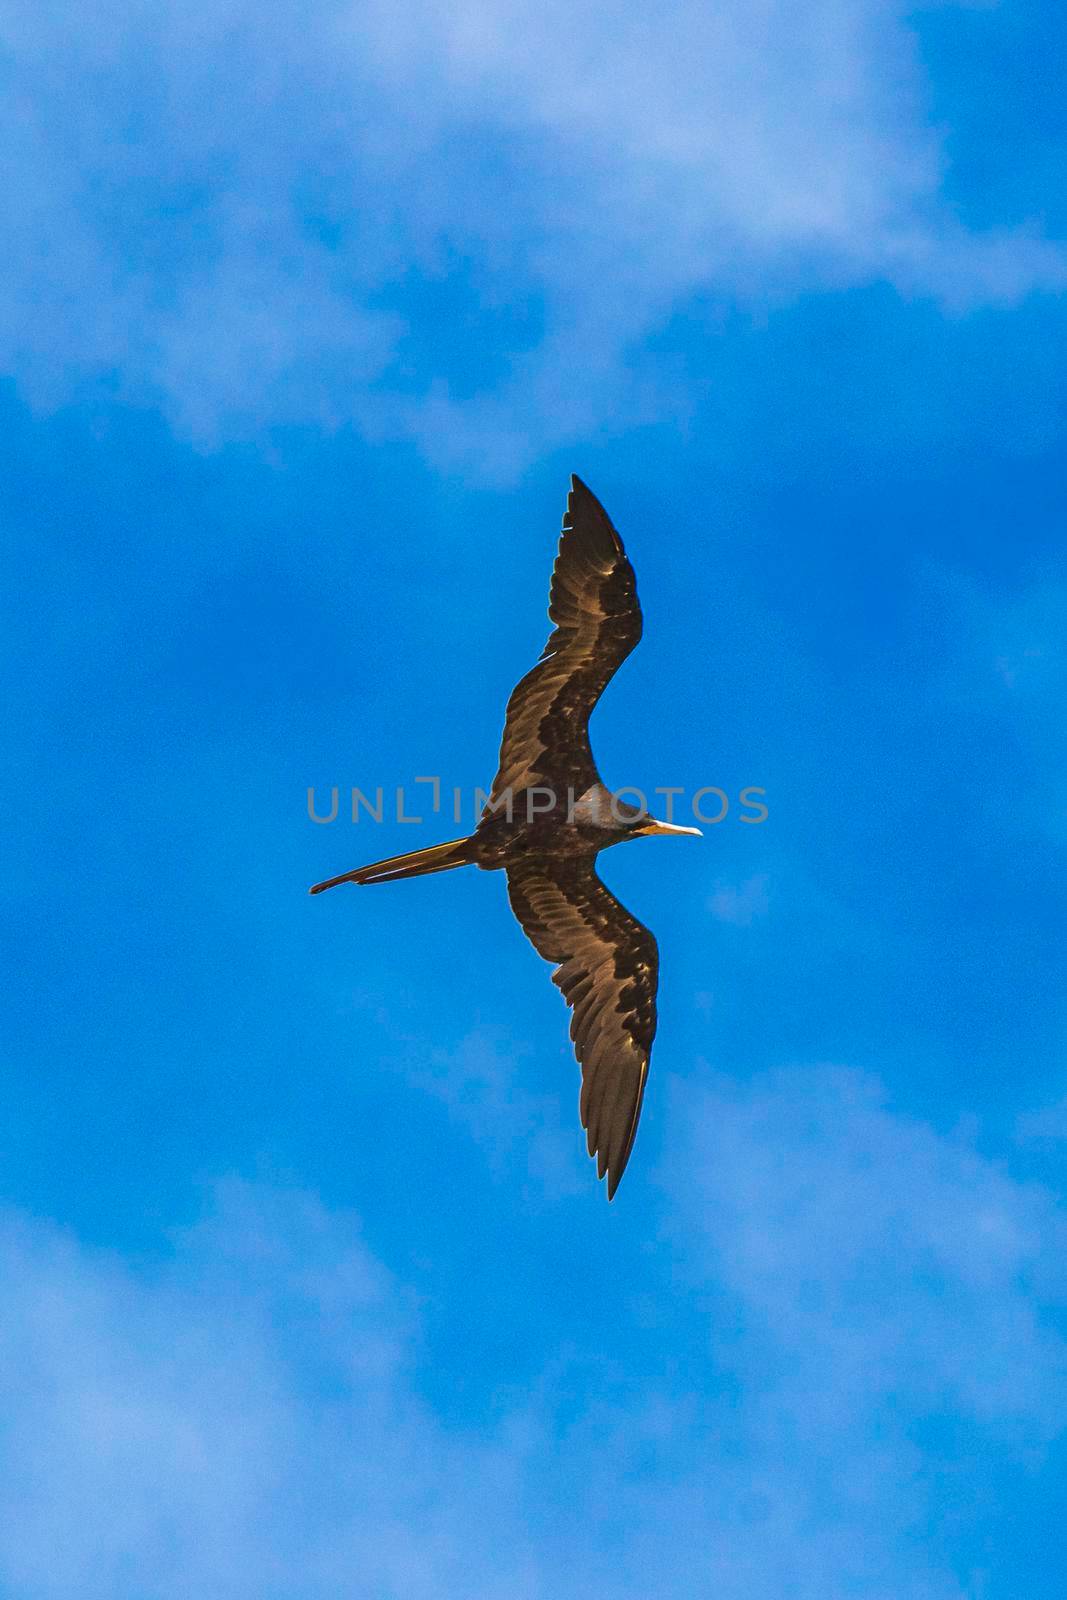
<point x="1006" y="650"/>
<point x="880" y="1280"/>
<point x="740" y="904"/>
<point x="1006" y="666"/>
<point x="1046" y="1124"/>
<point x="245" y="1419"/>
<point x="238" y="1423"/>
<point x="889" y="1263"/>
<point x="481" y="1082"/>
<point x="210" y="207"/>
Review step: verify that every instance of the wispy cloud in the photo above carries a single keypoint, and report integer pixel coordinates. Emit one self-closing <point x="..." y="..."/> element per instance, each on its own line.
<point x="247" y="1419"/>
<point x="742" y="903"/>
<point x="243" y="244"/>
<point x="1006" y="667"/>
<point x="237" y="1423"/>
<point x="481" y="1082"/>
<point x="1047" y="1124"/>
<point x="807" y="1181"/>
<point x="898" y="1296"/>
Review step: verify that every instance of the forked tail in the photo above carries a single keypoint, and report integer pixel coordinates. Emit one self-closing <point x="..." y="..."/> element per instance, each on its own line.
<point x="436" y="858"/>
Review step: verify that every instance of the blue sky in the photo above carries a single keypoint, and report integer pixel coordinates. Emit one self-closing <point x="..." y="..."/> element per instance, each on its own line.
<point x="306" y="317"/>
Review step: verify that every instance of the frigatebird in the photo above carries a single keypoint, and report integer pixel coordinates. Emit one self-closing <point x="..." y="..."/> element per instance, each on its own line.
<point x="549" y="816"/>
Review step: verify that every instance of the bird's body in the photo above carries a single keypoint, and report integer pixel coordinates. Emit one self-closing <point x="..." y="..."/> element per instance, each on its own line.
<point x="549" y="816"/>
<point x="542" y="822"/>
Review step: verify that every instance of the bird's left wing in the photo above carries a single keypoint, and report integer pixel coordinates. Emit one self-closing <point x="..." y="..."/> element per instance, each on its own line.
<point x="593" y="604"/>
<point x="608" y="970"/>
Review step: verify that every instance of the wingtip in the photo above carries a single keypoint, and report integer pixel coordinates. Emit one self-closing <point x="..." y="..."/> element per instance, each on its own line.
<point x="580" y="490"/>
<point x="615" y="1176"/>
<point x="586" y="513"/>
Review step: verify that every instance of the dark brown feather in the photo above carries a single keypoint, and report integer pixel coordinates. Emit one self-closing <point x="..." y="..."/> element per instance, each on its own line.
<point x="608" y="969"/>
<point x="593" y="603"/>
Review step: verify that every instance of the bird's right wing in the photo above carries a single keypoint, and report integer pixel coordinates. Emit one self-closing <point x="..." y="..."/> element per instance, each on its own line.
<point x="593" y="603"/>
<point x="608" y="970"/>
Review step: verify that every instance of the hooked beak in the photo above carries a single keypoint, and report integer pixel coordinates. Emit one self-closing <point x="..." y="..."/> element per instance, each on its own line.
<point x="654" y="826"/>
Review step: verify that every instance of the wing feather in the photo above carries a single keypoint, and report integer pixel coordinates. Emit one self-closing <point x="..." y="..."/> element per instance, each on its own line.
<point x="593" y="604"/>
<point x="607" y="967"/>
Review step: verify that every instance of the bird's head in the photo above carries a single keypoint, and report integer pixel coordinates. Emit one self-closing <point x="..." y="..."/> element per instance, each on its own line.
<point x="634" y="822"/>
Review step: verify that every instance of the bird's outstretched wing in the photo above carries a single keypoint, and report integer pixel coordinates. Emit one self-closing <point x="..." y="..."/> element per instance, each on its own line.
<point x="608" y="970"/>
<point x="593" y="603"/>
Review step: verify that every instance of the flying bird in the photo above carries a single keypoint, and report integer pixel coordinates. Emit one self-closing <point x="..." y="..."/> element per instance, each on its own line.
<point x="549" y="816"/>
